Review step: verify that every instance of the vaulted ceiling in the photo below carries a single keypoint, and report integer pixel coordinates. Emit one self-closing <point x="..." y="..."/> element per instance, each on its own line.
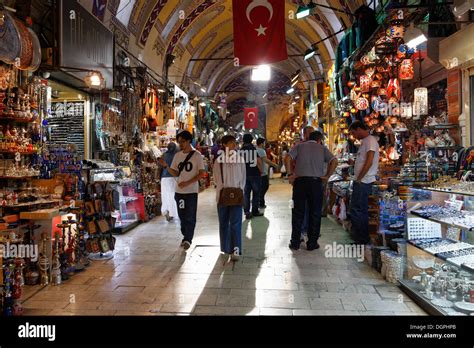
<point x="194" y="31"/>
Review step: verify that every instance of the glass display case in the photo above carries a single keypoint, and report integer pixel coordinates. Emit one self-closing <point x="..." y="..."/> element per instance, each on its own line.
<point x="439" y="269"/>
<point x="128" y="216"/>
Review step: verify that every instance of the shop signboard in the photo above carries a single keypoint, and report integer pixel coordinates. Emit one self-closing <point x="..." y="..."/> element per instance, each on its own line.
<point x="85" y="43"/>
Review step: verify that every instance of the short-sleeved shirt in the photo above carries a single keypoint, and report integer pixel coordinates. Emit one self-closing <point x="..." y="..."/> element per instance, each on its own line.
<point x="263" y="154"/>
<point x="192" y="168"/>
<point x="311" y="159"/>
<point x="368" y="144"/>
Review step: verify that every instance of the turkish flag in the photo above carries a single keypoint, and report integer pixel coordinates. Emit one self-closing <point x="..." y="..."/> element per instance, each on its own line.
<point x="251" y="118"/>
<point x="259" y="31"/>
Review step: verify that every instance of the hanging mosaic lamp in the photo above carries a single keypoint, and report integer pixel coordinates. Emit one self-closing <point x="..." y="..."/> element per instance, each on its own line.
<point x="420" y="104"/>
<point x="364" y="83"/>
<point x="407" y="71"/>
<point x="362" y="103"/>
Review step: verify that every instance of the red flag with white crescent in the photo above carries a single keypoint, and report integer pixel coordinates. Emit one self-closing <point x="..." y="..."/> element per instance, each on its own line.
<point x="251" y="118"/>
<point x="259" y="31"/>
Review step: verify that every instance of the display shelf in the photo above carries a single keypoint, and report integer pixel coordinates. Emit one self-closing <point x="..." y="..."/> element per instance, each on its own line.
<point x="408" y="287"/>
<point x="441" y="221"/>
<point x="19" y="177"/>
<point x="457" y="147"/>
<point x="444" y="126"/>
<point x="17" y="119"/>
<point x="121" y="228"/>
<point x="471" y="194"/>
<point x="20" y="152"/>
<point x="439" y="257"/>
<point x="33" y="203"/>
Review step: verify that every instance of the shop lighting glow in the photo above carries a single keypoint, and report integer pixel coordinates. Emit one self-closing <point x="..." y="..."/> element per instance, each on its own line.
<point x="310" y="53"/>
<point x="95" y="80"/>
<point x="414" y="37"/>
<point x="290" y="91"/>
<point x="262" y="73"/>
<point x="305" y="11"/>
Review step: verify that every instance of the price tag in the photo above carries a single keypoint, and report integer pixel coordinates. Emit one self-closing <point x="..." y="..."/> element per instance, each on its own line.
<point x="18" y="157"/>
<point x="454" y="204"/>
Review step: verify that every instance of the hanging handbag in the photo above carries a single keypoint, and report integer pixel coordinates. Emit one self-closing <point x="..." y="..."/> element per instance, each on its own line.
<point x="230" y="196"/>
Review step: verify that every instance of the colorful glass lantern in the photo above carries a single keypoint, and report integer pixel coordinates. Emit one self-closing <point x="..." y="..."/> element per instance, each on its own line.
<point x="407" y="71"/>
<point x="362" y="104"/>
<point x="396" y="31"/>
<point x="420" y="103"/>
<point x="364" y="83"/>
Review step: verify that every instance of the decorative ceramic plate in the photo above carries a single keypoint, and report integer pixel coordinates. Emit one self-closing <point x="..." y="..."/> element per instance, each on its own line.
<point x="464" y="306"/>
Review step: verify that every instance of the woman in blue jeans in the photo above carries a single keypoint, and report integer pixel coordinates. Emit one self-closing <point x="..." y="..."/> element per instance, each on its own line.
<point x="229" y="172"/>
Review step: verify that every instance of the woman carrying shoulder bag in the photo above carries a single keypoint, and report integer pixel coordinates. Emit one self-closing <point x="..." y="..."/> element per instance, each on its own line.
<point x="230" y="179"/>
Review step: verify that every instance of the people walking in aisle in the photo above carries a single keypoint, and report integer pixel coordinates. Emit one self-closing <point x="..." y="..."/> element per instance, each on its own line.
<point x="365" y="171"/>
<point x="168" y="185"/>
<point x="230" y="175"/>
<point x="284" y="157"/>
<point x="266" y="163"/>
<point x="307" y="180"/>
<point x="188" y="167"/>
<point x="253" y="183"/>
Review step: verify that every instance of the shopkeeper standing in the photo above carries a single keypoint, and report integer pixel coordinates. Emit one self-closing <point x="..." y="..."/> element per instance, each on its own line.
<point x="365" y="170"/>
<point x="188" y="167"/>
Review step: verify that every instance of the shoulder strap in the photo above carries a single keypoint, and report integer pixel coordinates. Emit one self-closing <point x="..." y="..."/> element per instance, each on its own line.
<point x="183" y="164"/>
<point x="222" y="173"/>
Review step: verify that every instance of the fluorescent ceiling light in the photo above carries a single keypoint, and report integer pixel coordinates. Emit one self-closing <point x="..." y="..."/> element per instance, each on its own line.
<point x="294" y="83"/>
<point x="262" y="73"/>
<point x="295" y="76"/>
<point x="417" y="41"/>
<point x="414" y="37"/>
<point x="203" y="90"/>
<point x="309" y="54"/>
<point x="305" y="11"/>
<point x="264" y="96"/>
<point x="297" y="97"/>
<point x="290" y="91"/>
<point x="160" y="90"/>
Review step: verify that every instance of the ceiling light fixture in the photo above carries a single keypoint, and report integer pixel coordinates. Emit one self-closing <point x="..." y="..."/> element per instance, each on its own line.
<point x="305" y="11"/>
<point x="262" y="73"/>
<point x="414" y="37"/>
<point x="290" y="91"/>
<point x="310" y="53"/>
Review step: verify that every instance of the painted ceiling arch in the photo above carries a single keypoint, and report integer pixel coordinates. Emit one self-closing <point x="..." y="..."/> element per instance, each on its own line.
<point x="201" y="29"/>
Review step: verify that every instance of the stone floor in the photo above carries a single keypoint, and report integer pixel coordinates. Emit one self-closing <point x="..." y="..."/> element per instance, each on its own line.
<point x="151" y="275"/>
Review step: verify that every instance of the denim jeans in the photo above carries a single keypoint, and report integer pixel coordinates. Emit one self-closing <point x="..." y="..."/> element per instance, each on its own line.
<point x="230" y="228"/>
<point x="264" y="190"/>
<point x="253" y="186"/>
<point x="359" y="212"/>
<point x="308" y="191"/>
<point x="187" y="208"/>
